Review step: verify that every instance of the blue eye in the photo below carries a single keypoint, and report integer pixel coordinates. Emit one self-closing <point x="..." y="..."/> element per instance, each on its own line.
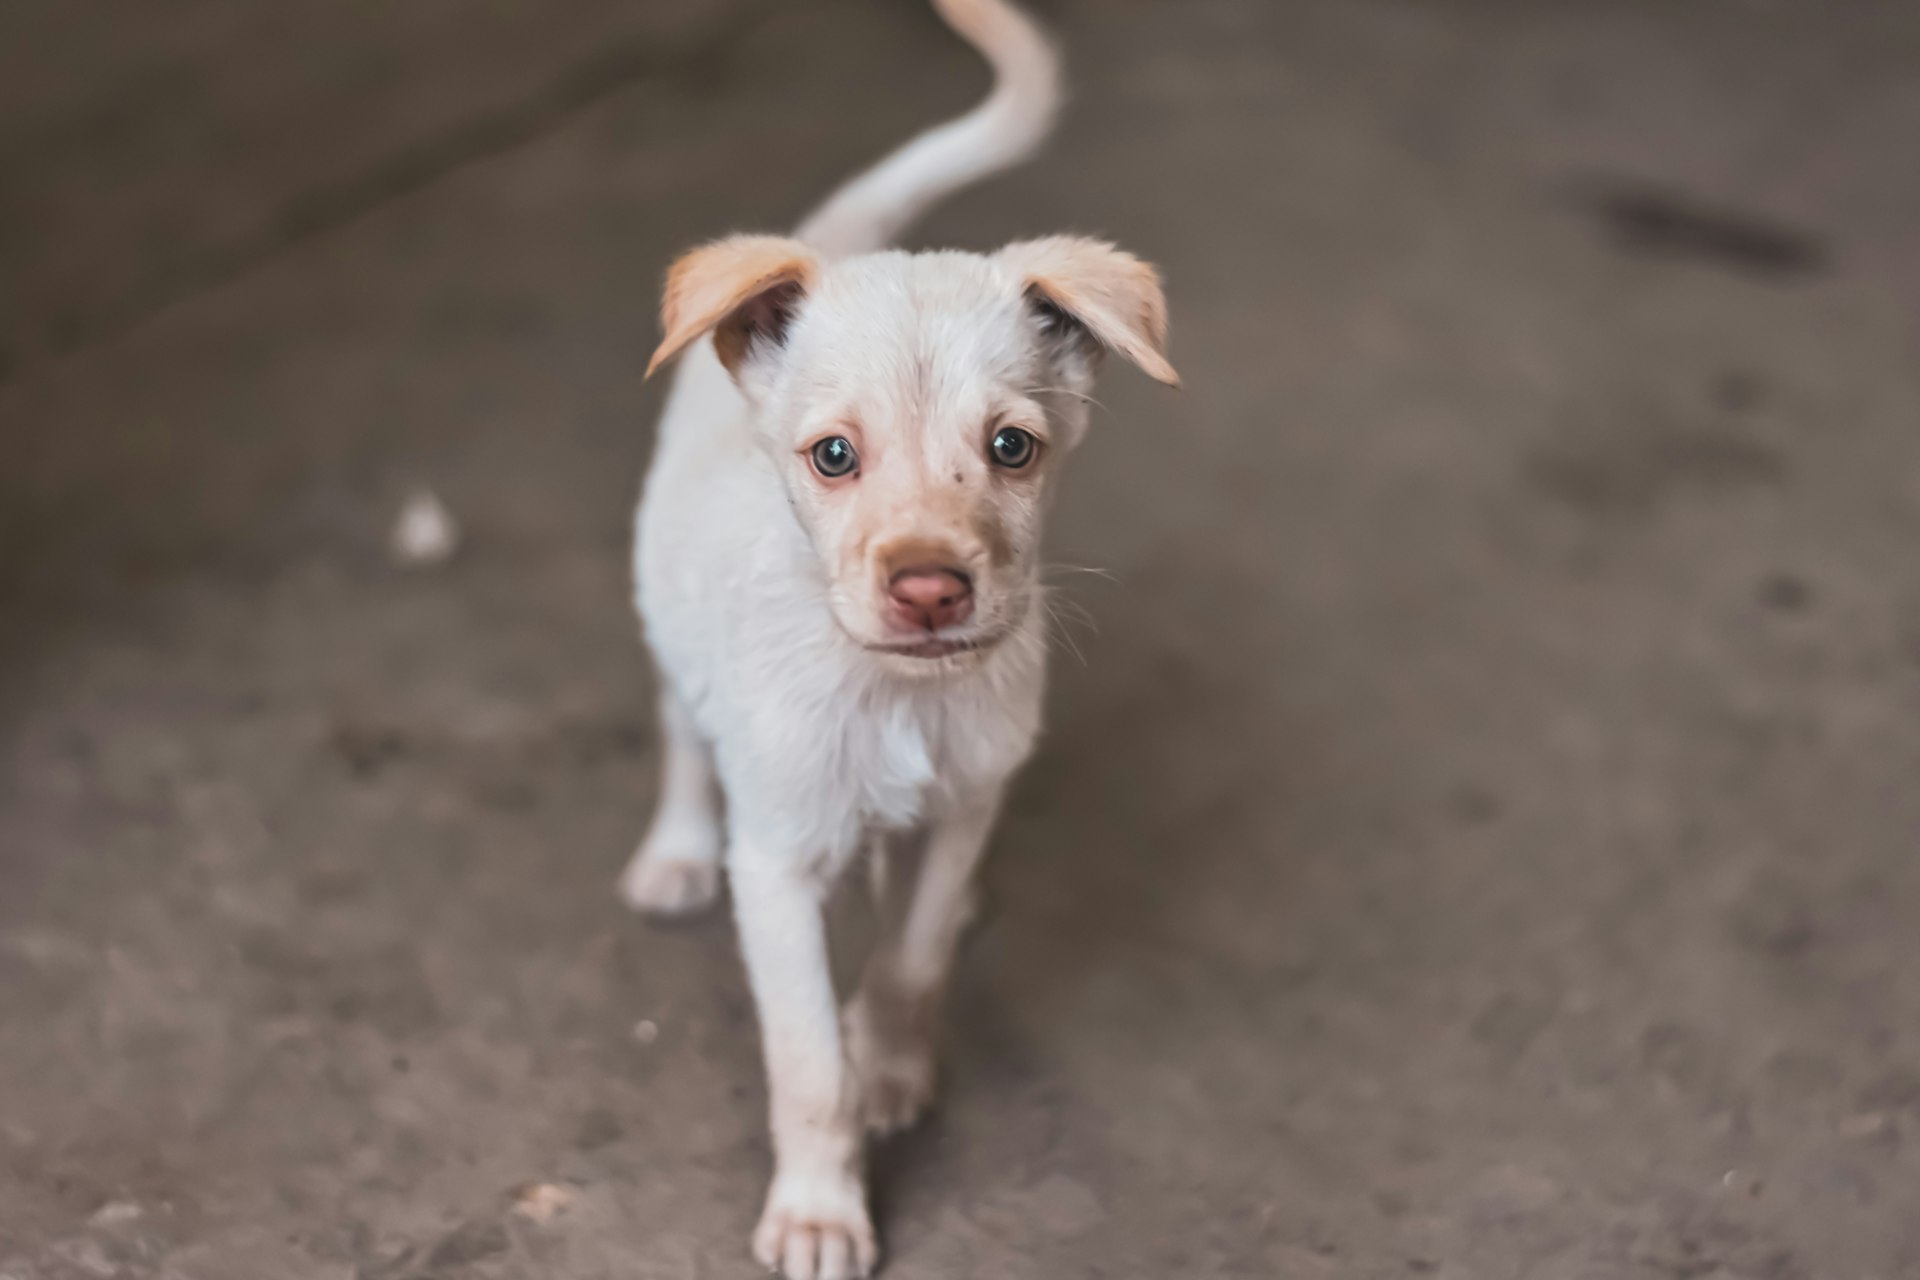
<point x="1013" y="448"/>
<point x="834" y="457"/>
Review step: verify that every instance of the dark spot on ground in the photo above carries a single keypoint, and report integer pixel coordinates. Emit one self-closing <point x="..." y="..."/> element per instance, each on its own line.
<point x="1509" y="1024"/>
<point x="1391" y="1204"/>
<point x="1739" y="390"/>
<point x="1774" y="922"/>
<point x="1633" y="475"/>
<point x="1897" y="1090"/>
<point x="1653" y="222"/>
<point x="1474" y="805"/>
<point x="330" y="886"/>
<point x="1785" y="592"/>
<point x="278" y="959"/>
<point x="598" y="1128"/>
<point x="367" y="749"/>
<point x="468" y="1243"/>
<point x="508" y="795"/>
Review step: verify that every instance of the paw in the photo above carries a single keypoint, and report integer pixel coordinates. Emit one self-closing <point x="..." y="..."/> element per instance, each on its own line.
<point x="895" y="1091"/>
<point x="816" y="1228"/>
<point x="670" y="879"/>
<point x="892" y="1066"/>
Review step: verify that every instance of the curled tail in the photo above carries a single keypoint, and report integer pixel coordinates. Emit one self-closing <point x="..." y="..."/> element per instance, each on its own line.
<point x="873" y="208"/>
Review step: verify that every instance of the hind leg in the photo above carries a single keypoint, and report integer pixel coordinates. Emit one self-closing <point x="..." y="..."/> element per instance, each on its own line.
<point x="892" y="1023"/>
<point x="677" y="867"/>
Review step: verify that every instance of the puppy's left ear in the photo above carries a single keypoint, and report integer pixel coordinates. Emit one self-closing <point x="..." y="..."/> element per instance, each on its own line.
<point x="1111" y="292"/>
<point x="743" y="290"/>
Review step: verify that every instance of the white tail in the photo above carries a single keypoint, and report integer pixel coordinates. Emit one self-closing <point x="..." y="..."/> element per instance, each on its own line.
<point x="873" y="208"/>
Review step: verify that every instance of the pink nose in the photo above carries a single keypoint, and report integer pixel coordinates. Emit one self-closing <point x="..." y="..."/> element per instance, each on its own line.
<point x="931" y="598"/>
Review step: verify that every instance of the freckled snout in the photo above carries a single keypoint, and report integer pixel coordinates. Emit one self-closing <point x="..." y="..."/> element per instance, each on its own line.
<point x="930" y="597"/>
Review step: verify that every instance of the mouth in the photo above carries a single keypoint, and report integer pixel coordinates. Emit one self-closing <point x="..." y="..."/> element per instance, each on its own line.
<point x="931" y="647"/>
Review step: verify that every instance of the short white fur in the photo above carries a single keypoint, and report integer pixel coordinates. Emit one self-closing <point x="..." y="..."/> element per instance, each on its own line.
<point x="768" y="594"/>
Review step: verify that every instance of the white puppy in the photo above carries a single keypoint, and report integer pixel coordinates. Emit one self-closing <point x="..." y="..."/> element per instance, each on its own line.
<point x="838" y="568"/>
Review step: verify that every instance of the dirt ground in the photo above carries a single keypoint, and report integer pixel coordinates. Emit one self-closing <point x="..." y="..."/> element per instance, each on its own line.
<point x="1475" y="839"/>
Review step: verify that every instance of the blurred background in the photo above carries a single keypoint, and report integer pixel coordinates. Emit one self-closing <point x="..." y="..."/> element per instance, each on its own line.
<point x="1476" y="836"/>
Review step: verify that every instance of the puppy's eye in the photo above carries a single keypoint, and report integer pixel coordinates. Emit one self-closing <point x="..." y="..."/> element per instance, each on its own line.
<point x="834" y="457"/>
<point x="1014" y="448"/>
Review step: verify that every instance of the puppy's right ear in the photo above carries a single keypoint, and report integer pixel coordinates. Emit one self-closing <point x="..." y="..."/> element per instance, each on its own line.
<point x="743" y="290"/>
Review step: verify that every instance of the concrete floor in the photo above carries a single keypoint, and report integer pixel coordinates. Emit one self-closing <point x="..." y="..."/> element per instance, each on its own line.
<point x="1479" y="841"/>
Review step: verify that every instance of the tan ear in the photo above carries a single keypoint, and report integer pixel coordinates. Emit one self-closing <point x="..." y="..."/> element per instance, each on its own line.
<point x="738" y="289"/>
<point x="1114" y="294"/>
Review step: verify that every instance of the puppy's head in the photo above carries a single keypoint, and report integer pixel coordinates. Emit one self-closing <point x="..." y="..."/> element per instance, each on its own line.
<point x="917" y="408"/>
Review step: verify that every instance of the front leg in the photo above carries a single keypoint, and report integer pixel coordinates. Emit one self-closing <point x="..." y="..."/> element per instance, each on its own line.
<point x="816" y="1225"/>
<point x="893" y="1021"/>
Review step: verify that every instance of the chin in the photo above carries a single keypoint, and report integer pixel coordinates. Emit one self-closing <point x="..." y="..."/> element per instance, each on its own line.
<point x="907" y="668"/>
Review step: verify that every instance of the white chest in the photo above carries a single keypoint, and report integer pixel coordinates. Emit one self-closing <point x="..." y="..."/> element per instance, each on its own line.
<point x="895" y="756"/>
<point x="872" y="754"/>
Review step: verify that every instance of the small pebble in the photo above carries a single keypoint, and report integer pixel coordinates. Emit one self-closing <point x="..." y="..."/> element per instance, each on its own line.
<point x="115" y="1212"/>
<point x="542" y="1201"/>
<point x="425" y="533"/>
<point x="646" y="1031"/>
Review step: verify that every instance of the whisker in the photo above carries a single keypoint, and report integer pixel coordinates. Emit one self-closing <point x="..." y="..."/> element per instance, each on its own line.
<point x="1070" y="609"/>
<point x="1080" y="616"/>
<point x="1065" y="636"/>
<point x="1108" y="574"/>
<point x="1057" y="625"/>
